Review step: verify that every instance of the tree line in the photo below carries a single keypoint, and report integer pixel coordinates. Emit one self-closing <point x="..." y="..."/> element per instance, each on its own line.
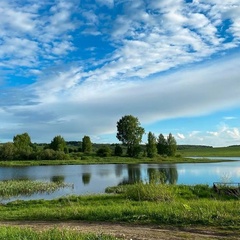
<point x="129" y="132"/>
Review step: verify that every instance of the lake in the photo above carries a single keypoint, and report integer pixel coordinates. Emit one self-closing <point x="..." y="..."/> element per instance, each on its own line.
<point x="90" y="179"/>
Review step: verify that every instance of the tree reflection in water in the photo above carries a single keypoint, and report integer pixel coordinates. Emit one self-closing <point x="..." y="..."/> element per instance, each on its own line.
<point x="86" y="178"/>
<point x="163" y="175"/>
<point x="166" y="174"/>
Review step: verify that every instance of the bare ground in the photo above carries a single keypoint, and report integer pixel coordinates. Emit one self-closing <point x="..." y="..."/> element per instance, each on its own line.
<point x="130" y="231"/>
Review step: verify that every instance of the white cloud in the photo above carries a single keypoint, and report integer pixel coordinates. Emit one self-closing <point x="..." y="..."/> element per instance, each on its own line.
<point x="229" y="118"/>
<point x="146" y="38"/>
<point x="180" y="136"/>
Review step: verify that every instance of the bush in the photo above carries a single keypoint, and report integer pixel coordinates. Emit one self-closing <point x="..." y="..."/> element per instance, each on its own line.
<point x="118" y="151"/>
<point x="104" y="151"/>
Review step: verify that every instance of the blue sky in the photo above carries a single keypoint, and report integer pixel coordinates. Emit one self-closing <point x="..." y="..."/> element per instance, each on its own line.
<point x="74" y="68"/>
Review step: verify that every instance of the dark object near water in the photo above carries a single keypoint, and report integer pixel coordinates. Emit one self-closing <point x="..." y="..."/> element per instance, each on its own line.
<point x="231" y="189"/>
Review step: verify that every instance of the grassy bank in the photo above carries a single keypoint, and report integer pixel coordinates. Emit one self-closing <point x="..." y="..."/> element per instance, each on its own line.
<point x="106" y="160"/>
<point x="13" y="233"/>
<point x="168" y="205"/>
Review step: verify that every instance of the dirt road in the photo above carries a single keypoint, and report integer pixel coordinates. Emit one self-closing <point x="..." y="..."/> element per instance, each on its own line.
<point x="129" y="231"/>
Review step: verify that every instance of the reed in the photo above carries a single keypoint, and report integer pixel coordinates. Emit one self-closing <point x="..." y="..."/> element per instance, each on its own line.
<point x="12" y="188"/>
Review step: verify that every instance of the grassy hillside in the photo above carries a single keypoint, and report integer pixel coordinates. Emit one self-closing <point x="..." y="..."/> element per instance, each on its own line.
<point x="203" y="151"/>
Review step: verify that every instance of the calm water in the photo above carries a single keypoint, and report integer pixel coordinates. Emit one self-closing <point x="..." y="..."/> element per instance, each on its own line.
<point x="89" y="179"/>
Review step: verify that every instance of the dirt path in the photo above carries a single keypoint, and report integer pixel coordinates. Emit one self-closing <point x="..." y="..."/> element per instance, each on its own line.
<point x="128" y="231"/>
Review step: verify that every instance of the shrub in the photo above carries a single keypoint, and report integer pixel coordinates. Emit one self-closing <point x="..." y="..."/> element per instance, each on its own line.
<point x="149" y="192"/>
<point x="104" y="151"/>
<point x="118" y="151"/>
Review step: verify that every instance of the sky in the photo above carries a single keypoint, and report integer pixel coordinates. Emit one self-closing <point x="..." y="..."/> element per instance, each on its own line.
<point x="75" y="67"/>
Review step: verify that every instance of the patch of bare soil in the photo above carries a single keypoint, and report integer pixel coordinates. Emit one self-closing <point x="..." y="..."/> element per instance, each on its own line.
<point x="129" y="231"/>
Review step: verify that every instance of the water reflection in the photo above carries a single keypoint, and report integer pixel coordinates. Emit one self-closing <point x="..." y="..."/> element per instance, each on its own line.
<point x="57" y="179"/>
<point x="163" y="175"/>
<point x="86" y="177"/>
<point x="89" y="179"/>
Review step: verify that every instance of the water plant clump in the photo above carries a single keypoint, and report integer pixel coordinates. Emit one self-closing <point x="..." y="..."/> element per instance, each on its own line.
<point x="11" y="188"/>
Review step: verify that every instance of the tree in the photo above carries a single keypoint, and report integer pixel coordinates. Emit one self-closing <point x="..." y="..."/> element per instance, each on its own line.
<point x="7" y="151"/>
<point x="86" y="144"/>
<point x="130" y="133"/>
<point x="23" y="146"/>
<point x="151" y="145"/>
<point x="162" y="147"/>
<point x="58" y="144"/>
<point x="172" y="145"/>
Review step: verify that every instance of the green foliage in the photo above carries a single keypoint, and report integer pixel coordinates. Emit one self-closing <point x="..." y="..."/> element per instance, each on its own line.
<point x="86" y="144"/>
<point x="58" y="143"/>
<point x="104" y="151"/>
<point x="118" y="151"/>
<point x="161" y="145"/>
<point x="166" y="146"/>
<point x="149" y="192"/>
<point x="130" y="133"/>
<point x="172" y="145"/>
<point x="50" y="154"/>
<point x="7" y="151"/>
<point x="151" y="145"/>
<point x="23" y="146"/>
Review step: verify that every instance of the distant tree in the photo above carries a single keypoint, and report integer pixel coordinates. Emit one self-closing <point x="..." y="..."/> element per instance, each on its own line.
<point x="162" y="146"/>
<point x="58" y="144"/>
<point x="104" y="151"/>
<point x="130" y="133"/>
<point x="86" y="144"/>
<point x="118" y="151"/>
<point x="7" y="151"/>
<point x="23" y="146"/>
<point x="151" y="145"/>
<point x="172" y="145"/>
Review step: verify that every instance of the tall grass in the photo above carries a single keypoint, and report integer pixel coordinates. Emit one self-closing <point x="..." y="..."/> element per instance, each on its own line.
<point x="149" y="192"/>
<point x="15" y="233"/>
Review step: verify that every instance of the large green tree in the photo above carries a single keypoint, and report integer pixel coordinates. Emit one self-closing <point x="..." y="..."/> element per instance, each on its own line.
<point x="130" y="133"/>
<point x="7" y="151"/>
<point x="86" y="144"/>
<point x="172" y="145"/>
<point x="151" y="145"/>
<point x="58" y="144"/>
<point x="23" y="146"/>
<point x="162" y="146"/>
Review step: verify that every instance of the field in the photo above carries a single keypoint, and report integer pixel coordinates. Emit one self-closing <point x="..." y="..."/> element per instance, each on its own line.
<point x="232" y="151"/>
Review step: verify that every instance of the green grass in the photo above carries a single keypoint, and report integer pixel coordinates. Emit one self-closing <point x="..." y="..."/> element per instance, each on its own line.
<point x="12" y="188"/>
<point x="105" y="160"/>
<point x="16" y="233"/>
<point x="211" y="152"/>
<point x="187" y="205"/>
